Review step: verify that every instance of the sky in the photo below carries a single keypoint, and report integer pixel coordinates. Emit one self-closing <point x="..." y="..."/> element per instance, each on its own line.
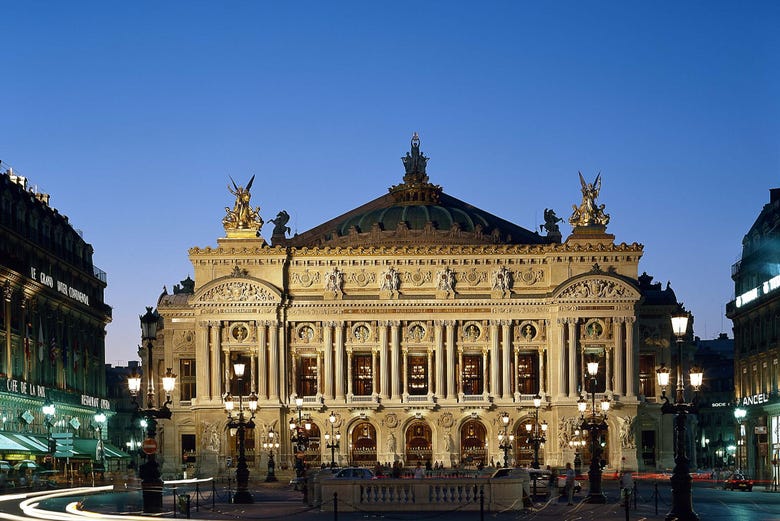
<point x="133" y="115"/>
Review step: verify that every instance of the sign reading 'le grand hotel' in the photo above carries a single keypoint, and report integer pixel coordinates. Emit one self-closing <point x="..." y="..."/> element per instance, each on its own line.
<point x="418" y="327"/>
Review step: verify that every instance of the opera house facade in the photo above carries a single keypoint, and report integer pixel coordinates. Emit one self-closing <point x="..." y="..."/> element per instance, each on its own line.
<point x="418" y="323"/>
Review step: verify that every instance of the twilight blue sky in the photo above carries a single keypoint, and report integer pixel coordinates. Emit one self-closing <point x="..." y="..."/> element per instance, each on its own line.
<point x="133" y="114"/>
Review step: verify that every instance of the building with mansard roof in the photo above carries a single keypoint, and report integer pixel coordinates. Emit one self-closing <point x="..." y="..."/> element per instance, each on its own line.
<point x="52" y="324"/>
<point x="418" y="321"/>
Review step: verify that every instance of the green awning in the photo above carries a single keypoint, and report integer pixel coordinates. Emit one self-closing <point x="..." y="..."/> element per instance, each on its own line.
<point x="32" y="444"/>
<point x="7" y="444"/>
<point x="88" y="448"/>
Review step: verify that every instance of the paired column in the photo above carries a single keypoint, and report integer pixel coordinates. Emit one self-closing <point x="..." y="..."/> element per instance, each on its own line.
<point x="395" y="354"/>
<point x="262" y="360"/>
<point x="327" y="348"/>
<point x="202" y="357"/>
<point x="383" y="361"/>
<point x="405" y="371"/>
<point x="374" y="375"/>
<point x="617" y="334"/>
<point x="216" y="370"/>
<point x="349" y="373"/>
<point x="339" y="372"/>
<point x="273" y="363"/>
<point x="450" y="345"/>
<point x="630" y="357"/>
<point x="506" y="344"/>
<point x="438" y="330"/>
<point x="561" y="348"/>
<point x="572" y="357"/>
<point x="494" y="360"/>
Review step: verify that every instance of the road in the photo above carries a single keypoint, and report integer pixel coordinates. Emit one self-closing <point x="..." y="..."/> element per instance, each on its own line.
<point x="279" y="501"/>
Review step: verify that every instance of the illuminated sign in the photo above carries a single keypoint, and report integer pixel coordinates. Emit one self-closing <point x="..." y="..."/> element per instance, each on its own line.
<point x="68" y="291"/>
<point x="765" y="288"/>
<point x="91" y="401"/>
<point x="22" y="387"/>
<point x="756" y="399"/>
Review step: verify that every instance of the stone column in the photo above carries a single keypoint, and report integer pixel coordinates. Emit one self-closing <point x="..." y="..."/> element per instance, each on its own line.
<point x="542" y="390"/>
<point x="494" y="359"/>
<point x="561" y="350"/>
<point x="340" y="369"/>
<point x="460" y="364"/>
<point x="405" y="372"/>
<point x="374" y="376"/>
<point x="438" y="329"/>
<point x="516" y="378"/>
<point x="383" y="362"/>
<point x="450" y="347"/>
<point x="320" y="379"/>
<point x="430" y="372"/>
<point x="395" y="346"/>
<point x="294" y="373"/>
<point x="349" y="372"/>
<point x="202" y="360"/>
<point x="485" y="374"/>
<point x="216" y="366"/>
<point x="607" y="370"/>
<point x="617" y="334"/>
<point x="262" y="360"/>
<point x="273" y="363"/>
<point x="327" y="350"/>
<point x="630" y="358"/>
<point x="572" y="358"/>
<point x="506" y="346"/>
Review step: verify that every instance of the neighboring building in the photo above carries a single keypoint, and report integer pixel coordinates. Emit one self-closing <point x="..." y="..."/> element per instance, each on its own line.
<point x="755" y="313"/>
<point x="52" y="326"/>
<point x="417" y="320"/>
<point x="715" y="412"/>
<point x="125" y="429"/>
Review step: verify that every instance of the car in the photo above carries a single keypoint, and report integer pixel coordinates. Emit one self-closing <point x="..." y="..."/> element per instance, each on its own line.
<point x="354" y="473"/>
<point x="738" y="482"/>
<point x="509" y="472"/>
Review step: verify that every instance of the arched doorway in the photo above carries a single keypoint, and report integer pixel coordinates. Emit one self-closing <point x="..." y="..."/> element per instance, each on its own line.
<point x="313" y="456"/>
<point x="363" y="444"/>
<point x="524" y="442"/>
<point x="586" y="451"/>
<point x="473" y="436"/>
<point x="419" y="439"/>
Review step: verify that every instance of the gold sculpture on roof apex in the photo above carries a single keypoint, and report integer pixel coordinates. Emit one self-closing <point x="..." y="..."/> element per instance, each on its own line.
<point x="242" y="221"/>
<point x="588" y="213"/>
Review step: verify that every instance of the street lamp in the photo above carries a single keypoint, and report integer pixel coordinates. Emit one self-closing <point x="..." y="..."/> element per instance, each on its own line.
<point x="151" y="484"/>
<point x="594" y="424"/>
<point x="504" y="439"/>
<point x="100" y="419"/>
<point x="739" y="415"/>
<point x="300" y="438"/>
<point x="270" y="445"/>
<point x="49" y="411"/>
<point x="335" y="444"/>
<point x="536" y="431"/>
<point x="682" y="502"/>
<point x="241" y="424"/>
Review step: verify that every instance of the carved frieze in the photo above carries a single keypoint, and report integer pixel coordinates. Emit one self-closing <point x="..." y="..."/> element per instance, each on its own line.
<point x="237" y="291"/>
<point x="305" y="278"/>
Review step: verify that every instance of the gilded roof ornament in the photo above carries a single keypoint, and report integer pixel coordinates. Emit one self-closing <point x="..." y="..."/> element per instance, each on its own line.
<point x="242" y="221"/>
<point x="589" y="213"/>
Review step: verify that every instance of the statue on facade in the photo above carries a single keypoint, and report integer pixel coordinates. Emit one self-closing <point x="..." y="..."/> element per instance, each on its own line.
<point x="391" y="444"/>
<point x="334" y="280"/>
<point x="390" y="280"/>
<point x="588" y="213"/>
<point x="550" y="222"/>
<point x="414" y="161"/>
<point x="627" y="440"/>
<point x="242" y="216"/>
<point x="446" y="280"/>
<point x="502" y="280"/>
<point x="280" y="224"/>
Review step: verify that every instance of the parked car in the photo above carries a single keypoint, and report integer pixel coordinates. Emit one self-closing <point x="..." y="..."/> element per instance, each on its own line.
<point x="354" y="473"/>
<point x="738" y="482"/>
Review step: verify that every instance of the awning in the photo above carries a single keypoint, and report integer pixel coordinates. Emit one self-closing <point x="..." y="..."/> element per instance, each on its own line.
<point x="30" y="443"/>
<point x="88" y="448"/>
<point x="7" y="444"/>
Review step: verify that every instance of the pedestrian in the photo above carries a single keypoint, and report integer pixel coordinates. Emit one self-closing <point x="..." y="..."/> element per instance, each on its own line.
<point x="570" y="483"/>
<point x="419" y="472"/>
<point x="552" y="481"/>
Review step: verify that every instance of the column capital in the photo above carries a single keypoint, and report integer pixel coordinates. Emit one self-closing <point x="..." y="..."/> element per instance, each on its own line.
<point x="629" y="320"/>
<point x="215" y="323"/>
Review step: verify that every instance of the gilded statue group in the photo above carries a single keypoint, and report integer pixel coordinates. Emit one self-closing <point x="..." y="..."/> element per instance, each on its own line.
<point x="242" y="216"/>
<point x="588" y="213"/>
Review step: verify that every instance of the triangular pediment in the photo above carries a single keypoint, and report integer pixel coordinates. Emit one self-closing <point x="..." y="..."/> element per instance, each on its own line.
<point x="233" y="290"/>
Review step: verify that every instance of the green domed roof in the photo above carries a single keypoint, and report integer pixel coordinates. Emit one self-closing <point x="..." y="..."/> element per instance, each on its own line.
<point x="416" y="212"/>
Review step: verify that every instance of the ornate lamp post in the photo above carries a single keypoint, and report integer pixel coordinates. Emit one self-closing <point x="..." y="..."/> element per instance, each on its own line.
<point x="241" y="424"/>
<point x="100" y="419"/>
<point x="739" y="415"/>
<point x="49" y="411"/>
<point x="334" y="444"/>
<point x="299" y="437"/>
<point x="682" y="502"/>
<point x="151" y="484"/>
<point x="270" y="445"/>
<point x="594" y="424"/>
<point x="504" y="439"/>
<point x="536" y="432"/>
